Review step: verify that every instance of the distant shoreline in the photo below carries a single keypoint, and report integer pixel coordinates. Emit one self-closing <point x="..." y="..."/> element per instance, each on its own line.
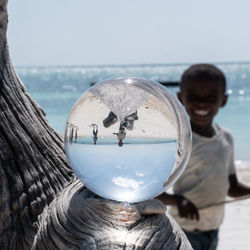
<point x="126" y="65"/>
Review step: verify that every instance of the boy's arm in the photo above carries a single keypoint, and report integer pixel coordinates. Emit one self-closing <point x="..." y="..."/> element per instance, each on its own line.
<point x="236" y="188"/>
<point x="185" y="207"/>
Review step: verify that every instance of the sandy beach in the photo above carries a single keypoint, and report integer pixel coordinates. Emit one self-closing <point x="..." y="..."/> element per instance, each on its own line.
<point x="235" y="231"/>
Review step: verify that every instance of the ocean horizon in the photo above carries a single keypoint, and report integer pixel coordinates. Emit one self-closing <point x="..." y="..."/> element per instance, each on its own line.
<point x="57" y="88"/>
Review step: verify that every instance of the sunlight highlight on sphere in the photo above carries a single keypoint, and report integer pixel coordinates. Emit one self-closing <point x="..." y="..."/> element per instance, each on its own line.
<point x="128" y="139"/>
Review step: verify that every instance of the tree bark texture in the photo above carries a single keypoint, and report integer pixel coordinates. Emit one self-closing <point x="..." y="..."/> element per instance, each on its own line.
<point x="77" y="219"/>
<point x="33" y="165"/>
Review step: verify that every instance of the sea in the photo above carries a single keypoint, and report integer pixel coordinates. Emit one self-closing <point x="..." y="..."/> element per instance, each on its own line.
<point x="57" y="88"/>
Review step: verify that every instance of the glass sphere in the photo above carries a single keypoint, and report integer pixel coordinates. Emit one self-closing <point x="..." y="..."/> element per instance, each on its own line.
<point x="128" y="139"/>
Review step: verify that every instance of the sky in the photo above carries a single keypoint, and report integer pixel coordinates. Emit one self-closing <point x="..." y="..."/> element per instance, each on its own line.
<point x="111" y="32"/>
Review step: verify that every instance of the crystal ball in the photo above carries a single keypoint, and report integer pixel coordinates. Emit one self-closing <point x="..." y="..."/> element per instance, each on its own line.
<point x="128" y="139"/>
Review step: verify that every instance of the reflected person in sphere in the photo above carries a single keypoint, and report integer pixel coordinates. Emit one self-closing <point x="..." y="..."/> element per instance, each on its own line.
<point x="95" y="132"/>
<point x="127" y="123"/>
<point x="210" y="173"/>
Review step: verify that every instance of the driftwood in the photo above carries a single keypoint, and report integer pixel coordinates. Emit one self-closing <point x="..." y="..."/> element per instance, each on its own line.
<point x="42" y="204"/>
<point x="33" y="166"/>
<point x="77" y="219"/>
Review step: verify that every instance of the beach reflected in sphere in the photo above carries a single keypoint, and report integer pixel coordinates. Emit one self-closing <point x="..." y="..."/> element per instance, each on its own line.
<point x="127" y="139"/>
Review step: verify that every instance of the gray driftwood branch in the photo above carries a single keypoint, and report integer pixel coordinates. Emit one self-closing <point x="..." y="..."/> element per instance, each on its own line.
<point x="42" y="204"/>
<point x="33" y="166"/>
<point x="77" y="219"/>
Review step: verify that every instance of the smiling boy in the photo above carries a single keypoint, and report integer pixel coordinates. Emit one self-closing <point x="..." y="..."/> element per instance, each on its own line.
<point x="210" y="173"/>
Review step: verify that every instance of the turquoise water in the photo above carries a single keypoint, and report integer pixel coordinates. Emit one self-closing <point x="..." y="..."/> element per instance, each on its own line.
<point x="134" y="172"/>
<point x="56" y="89"/>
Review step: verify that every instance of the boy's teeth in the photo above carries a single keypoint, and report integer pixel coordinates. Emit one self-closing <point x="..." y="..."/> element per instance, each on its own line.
<point x="201" y="112"/>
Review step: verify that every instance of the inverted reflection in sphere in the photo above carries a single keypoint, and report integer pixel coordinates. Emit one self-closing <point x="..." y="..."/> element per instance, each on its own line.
<point x="127" y="139"/>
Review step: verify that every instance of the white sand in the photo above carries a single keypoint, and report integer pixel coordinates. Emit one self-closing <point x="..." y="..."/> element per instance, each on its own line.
<point x="235" y="231"/>
<point x="155" y="119"/>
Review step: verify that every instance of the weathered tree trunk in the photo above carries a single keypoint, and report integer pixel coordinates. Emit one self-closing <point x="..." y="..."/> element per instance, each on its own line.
<point x="77" y="219"/>
<point x="35" y="202"/>
<point x="33" y="166"/>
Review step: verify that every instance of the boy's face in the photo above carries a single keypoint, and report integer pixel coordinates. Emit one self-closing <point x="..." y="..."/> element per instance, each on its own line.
<point x="202" y="100"/>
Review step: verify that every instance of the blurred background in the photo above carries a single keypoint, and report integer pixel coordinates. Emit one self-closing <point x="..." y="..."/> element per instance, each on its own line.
<point x="59" y="47"/>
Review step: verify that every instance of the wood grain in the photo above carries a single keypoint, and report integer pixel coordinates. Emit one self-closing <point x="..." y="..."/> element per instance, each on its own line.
<point x="77" y="219"/>
<point x="33" y="165"/>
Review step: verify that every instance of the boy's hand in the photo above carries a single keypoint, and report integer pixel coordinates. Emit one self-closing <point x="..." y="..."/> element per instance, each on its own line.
<point x="186" y="208"/>
<point x="150" y="207"/>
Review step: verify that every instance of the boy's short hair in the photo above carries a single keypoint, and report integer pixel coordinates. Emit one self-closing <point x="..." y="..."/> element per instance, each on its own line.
<point x="206" y="72"/>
